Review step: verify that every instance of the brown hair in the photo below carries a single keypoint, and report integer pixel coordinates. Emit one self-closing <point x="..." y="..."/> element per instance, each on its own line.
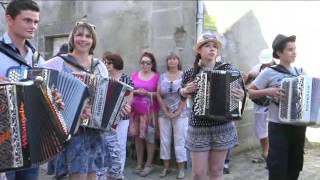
<point x="115" y="59"/>
<point x="16" y="6"/>
<point x="81" y="27"/>
<point x="152" y="58"/>
<point x="172" y="55"/>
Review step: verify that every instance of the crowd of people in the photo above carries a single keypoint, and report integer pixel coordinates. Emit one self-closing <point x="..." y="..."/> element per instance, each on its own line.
<point x="157" y="107"/>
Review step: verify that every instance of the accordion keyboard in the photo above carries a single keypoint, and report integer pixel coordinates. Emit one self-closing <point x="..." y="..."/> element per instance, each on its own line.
<point x="283" y="107"/>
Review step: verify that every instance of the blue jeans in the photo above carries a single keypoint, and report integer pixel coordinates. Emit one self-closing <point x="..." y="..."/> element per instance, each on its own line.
<point x="25" y="174"/>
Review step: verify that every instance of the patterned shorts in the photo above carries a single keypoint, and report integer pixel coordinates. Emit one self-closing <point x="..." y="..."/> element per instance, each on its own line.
<point x="219" y="137"/>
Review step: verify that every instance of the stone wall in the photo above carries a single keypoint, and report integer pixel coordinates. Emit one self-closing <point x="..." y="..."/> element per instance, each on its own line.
<point x="125" y="27"/>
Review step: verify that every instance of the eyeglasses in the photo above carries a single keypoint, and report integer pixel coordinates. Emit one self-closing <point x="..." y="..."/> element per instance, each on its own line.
<point x="145" y="63"/>
<point x="108" y="62"/>
<point x="170" y="86"/>
<point x="85" y="23"/>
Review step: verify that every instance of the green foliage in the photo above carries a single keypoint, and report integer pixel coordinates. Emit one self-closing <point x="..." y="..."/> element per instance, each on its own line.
<point x="209" y="23"/>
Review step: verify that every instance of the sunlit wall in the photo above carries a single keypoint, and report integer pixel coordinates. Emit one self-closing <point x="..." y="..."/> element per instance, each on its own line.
<point x="300" y="18"/>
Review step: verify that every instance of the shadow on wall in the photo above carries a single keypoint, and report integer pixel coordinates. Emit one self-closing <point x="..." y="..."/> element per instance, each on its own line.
<point x="243" y="42"/>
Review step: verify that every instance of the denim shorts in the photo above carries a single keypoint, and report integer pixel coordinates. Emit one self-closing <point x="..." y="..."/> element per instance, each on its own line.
<point x="25" y="174"/>
<point x="82" y="154"/>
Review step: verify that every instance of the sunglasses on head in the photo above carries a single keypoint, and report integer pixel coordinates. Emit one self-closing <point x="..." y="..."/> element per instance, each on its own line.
<point x="85" y="23"/>
<point x="145" y="63"/>
<point x="209" y="36"/>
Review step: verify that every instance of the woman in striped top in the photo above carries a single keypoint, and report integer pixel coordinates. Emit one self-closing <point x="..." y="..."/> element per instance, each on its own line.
<point x="208" y="140"/>
<point x="114" y="65"/>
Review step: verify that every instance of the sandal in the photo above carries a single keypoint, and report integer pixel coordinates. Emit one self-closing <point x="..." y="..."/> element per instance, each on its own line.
<point x="164" y="173"/>
<point x="181" y="174"/>
<point x="146" y="171"/>
<point x="258" y="160"/>
<point x="138" y="169"/>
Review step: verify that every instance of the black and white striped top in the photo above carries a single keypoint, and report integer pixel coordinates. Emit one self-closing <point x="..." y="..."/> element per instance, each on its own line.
<point x="126" y="79"/>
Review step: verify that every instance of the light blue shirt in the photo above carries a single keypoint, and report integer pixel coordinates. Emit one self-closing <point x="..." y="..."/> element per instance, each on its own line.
<point x="7" y="62"/>
<point x="271" y="78"/>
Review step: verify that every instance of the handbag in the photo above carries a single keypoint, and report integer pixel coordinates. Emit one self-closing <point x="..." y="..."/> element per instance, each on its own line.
<point x="151" y="130"/>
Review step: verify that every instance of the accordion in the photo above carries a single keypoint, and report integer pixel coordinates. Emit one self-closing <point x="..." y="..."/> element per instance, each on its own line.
<point x="31" y="129"/>
<point x="300" y="106"/>
<point x="106" y="99"/>
<point x="74" y="92"/>
<point x="213" y="100"/>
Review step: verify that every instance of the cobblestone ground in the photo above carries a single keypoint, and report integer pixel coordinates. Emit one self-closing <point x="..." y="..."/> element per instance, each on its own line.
<point x="241" y="168"/>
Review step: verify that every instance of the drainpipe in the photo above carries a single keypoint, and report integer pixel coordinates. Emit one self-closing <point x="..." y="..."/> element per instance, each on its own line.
<point x="200" y="17"/>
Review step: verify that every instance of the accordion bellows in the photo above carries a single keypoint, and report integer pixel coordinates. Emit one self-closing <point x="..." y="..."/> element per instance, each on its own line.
<point x="106" y="99"/>
<point x="213" y="99"/>
<point x="31" y="132"/>
<point x="32" y="129"/>
<point x="301" y="103"/>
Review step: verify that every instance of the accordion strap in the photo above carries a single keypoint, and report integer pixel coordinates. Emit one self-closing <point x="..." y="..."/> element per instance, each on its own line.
<point x="280" y="68"/>
<point x="8" y="51"/>
<point x="71" y="60"/>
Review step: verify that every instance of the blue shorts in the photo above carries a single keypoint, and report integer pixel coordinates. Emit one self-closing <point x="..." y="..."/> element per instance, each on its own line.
<point x="25" y="174"/>
<point x="82" y="154"/>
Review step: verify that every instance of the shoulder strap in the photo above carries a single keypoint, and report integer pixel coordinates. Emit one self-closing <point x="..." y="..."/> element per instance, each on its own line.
<point x="281" y="69"/>
<point x="13" y="55"/>
<point x="71" y="60"/>
<point x="94" y="63"/>
<point x="221" y="66"/>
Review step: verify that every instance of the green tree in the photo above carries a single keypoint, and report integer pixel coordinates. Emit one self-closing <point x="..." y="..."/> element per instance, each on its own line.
<point x="209" y="23"/>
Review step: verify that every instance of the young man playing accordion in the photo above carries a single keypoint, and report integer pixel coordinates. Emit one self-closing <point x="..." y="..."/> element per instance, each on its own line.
<point x="285" y="158"/>
<point x="22" y="19"/>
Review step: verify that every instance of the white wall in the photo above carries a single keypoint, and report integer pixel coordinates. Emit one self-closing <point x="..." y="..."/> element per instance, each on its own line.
<point x="298" y="18"/>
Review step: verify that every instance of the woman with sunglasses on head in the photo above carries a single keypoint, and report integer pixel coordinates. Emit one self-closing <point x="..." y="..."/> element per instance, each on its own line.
<point x="83" y="151"/>
<point x="207" y="139"/>
<point x="173" y="116"/>
<point x="144" y="110"/>
<point x="116" y="142"/>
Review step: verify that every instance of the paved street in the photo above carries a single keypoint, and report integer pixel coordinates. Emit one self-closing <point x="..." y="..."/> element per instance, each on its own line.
<point x="241" y="168"/>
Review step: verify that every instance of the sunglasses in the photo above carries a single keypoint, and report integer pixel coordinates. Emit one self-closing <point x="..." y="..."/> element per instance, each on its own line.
<point x="85" y="23"/>
<point x="209" y="36"/>
<point x="145" y="63"/>
<point x="108" y="62"/>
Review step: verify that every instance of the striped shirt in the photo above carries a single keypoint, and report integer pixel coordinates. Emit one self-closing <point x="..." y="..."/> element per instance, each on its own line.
<point x="126" y="79"/>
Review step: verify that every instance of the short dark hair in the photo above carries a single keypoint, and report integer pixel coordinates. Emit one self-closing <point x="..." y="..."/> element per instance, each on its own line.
<point x="115" y="59"/>
<point x="173" y="55"/>
<point x="281" y="46"/>
<point x="152" y="58"/>
<point x="16" y="6"/>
